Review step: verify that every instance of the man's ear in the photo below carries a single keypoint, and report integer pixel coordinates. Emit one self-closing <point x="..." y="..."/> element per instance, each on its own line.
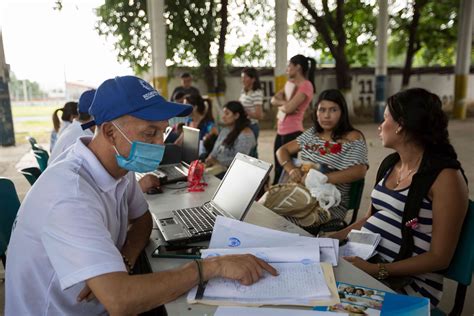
<point x="108" y="130"/>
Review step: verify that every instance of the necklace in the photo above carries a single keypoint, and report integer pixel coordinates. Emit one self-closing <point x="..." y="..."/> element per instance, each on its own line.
<point x="410" y="171"/>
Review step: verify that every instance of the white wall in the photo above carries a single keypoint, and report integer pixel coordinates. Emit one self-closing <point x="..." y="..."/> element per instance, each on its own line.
<point x="363" y="85"/>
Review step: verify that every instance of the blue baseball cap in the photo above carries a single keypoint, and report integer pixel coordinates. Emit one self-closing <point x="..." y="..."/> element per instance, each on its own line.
<point x="85" y="101"/>
<point x="130" y="95"/>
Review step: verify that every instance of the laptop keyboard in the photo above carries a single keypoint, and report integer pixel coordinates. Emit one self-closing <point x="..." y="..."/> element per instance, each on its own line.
<point x="197" y="220"/>
<point x="171" y="171"/>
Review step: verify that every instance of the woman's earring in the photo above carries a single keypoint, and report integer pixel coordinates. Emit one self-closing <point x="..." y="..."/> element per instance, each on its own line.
<point x="398" y="131"/>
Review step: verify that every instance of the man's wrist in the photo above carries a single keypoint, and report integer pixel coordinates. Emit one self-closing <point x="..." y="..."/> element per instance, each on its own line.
<point x="210" y="268"/>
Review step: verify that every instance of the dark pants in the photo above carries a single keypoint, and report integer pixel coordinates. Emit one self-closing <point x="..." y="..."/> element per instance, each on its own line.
<point x="281" y="140"/>
<point x="256" y="131"/>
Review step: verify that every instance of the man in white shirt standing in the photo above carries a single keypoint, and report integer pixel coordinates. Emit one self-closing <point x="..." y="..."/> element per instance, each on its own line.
<point x="74" y="131"/>
<point x="82" y="226"/>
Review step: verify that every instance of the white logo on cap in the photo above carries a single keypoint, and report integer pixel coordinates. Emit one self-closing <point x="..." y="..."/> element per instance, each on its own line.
<point x="146" y="85"/>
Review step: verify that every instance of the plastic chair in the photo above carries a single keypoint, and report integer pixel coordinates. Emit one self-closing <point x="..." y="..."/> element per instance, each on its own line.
<point x="462" y="265"/>
<point x="9" y="205"/>
<point x="31" y="174"/>
<point x="42" y="157"/>
<point x="355" y="197"/>
<point x="32" y="141"/>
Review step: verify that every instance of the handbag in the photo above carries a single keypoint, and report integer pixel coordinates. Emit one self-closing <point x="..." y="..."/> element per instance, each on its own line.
<point x="295" y="200"/>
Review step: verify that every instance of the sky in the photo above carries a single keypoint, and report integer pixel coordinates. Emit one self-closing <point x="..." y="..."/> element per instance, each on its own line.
<point x="50" y="46"/>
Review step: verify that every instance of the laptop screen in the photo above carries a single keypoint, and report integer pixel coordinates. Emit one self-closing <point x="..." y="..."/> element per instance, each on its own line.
<point x="240" y="185"/>
<point x="190" y="151"/>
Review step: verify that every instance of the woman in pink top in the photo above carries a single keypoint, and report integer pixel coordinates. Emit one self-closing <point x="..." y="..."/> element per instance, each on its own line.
<point x="291" y="107"/>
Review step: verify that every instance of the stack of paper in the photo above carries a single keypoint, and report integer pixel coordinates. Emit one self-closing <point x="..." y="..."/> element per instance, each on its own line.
<point x="230" y="233"/>
<point x="360" y="244"/>
<point x="302" y="279"/>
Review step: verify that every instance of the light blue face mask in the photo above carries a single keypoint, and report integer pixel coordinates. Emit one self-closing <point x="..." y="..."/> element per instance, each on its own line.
<point x="143" y="157"/>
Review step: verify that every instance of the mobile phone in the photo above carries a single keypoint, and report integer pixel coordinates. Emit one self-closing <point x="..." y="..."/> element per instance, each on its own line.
<point x="184" y="252"/>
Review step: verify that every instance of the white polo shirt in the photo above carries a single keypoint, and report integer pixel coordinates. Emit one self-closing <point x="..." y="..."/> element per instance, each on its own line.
<point x="67" y="138"/>
<point x="69" y="228"/>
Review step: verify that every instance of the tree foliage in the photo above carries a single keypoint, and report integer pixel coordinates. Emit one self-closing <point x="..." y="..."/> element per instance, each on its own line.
<point x="436" y="37"/>
<point x="17" y="89"/>
<point x="425" y="31"/>
<point x="342" y="31"/>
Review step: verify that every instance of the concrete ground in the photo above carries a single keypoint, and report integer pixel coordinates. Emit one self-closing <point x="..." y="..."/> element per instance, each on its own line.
<point x="461" y="132"/>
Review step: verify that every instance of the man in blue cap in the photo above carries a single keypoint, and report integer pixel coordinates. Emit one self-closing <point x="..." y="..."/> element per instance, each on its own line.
<point x="82" y="226"/>
<point x="74" y="131"/>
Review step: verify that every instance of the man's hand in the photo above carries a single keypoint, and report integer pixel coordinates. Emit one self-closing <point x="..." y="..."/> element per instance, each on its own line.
<point x="149" y="182"/>
<point x="85" y="294"/>
<point x="247" y="269"/>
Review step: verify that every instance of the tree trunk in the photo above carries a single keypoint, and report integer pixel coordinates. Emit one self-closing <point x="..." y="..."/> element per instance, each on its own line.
<point x="221" y="85"/>
<point x="412" y="43"/>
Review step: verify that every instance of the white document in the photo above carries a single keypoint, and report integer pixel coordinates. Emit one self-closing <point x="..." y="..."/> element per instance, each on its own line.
<point x="289" y="90"/>
<point x="256" y="311"/>
<point x="360" y="244"/>
<point x="231" y="233"/>
<point x="281" y="115"/>
<point x="304" y="254"/>
<point x="295" y="281"/>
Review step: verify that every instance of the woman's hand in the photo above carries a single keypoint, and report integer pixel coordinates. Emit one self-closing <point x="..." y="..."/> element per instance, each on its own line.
<point x="210" y="161"/>
<point x="370" y="268"/>
<point x="295" y="175"/>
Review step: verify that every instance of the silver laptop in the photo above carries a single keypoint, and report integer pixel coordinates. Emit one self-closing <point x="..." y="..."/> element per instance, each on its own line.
<point x="188" y="152"/>
<point x="233" y="198"/>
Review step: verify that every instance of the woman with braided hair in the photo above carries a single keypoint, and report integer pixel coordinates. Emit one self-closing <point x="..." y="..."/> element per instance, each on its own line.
<point x="420" y="198"/>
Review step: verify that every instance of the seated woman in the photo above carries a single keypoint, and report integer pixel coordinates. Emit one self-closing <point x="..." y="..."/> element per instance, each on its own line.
<point x="235" y="137"/>
<point x="420" y="198"/>
<point x="202" y="119"/>
<point x="334" y="147"/>
<point x="69" y="113"/>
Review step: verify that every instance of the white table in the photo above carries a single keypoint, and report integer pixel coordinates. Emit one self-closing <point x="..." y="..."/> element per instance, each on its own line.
<point x="172" y="199"/>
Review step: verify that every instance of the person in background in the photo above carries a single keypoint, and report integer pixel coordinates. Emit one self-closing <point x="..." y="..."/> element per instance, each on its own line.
<point x="420" y="198"/>
<point x="186" y="87"/>
<point x="292" y="107"/>
<point x="251" y="98"/>
<point x="72" y="252"/>
<point x="176" y="123"/>
<point x="333" y="146"/>
<point x="75" y="130"/>
<point x="235" y="137"/>
<point x="202" y="119"/>
<point x="69" y="113"/>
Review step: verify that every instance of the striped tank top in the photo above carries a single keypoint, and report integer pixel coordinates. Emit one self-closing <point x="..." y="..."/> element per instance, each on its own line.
<point x="387" y="222"/>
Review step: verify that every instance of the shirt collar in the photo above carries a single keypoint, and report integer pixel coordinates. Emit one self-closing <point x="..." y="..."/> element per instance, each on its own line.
<point x="97" y="171"/>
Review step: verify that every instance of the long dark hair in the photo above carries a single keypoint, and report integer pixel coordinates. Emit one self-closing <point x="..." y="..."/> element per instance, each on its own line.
<point x="420" y="114"/>
<point x="308" y="67"/>
<point x="203" y="106"/>
<point x="240" y="124"/>
<point x="252" y="73"/>
<point x="69" y="111"/>
<point x="344" y="125"/>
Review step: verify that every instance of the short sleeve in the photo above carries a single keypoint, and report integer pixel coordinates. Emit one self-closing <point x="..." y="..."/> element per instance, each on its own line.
<point x="257" y="97"/>
<point x="78" y="244"/>
<point x="354" y="153"/>
<point x="137" y="205"/>
<point x="307" y="88"/>
<point x="302" y="140"/>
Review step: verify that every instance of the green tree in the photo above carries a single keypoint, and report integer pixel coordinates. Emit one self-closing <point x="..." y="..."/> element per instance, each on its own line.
<point x="343" y="31"/>
<point x="426" y="33"/>
<point x="19" y="87"/>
